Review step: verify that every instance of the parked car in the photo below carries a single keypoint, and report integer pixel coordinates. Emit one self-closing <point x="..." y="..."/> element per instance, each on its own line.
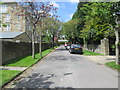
<point x="76" y="48"/>
<point x="67" y="46"/>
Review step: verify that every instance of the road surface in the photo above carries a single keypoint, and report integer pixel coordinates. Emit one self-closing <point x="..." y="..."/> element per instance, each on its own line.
<point x="60" y="69"/>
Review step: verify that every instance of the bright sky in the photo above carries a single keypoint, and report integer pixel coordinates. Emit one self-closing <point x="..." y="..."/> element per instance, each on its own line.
<point x="66" y="9"/>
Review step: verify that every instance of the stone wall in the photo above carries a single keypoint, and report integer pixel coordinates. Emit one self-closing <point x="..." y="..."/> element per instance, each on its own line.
<point x="102" y="48"/>
<point x="13" y="50"/>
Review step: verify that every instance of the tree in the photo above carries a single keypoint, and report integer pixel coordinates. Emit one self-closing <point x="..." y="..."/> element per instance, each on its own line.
<point x="116" y="27"/>
<point x="53" y="27"/>
<point x="34" y="13"/>
<point x="98" y="19"/>
<point x="70" y="31"/>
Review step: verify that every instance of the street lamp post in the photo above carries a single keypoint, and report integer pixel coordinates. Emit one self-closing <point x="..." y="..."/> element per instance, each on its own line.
<point x="117" y="28"/>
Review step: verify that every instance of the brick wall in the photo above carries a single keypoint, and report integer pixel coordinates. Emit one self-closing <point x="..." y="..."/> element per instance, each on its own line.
<point x="13" y="50"/>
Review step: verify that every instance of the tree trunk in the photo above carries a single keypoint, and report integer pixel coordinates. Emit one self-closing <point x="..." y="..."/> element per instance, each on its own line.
<point x="33" y="44"/>
<point x="117" y="47"/>
<point x="53" y="41"/>
<point x="40" y="48"/>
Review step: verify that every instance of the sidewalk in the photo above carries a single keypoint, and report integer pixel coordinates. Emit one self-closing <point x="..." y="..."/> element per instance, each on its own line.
<point x="12" y="68"/>
<point x="101" y="59"/>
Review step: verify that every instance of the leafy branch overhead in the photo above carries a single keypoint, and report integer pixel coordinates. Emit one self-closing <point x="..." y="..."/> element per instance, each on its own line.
<point x="34" y="13"/>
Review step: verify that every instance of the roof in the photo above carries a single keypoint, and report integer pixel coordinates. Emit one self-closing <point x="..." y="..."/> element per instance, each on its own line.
<point x="9" y="35"/>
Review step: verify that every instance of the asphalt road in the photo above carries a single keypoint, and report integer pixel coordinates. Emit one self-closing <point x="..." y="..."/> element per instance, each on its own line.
<point x="60" y="69"/>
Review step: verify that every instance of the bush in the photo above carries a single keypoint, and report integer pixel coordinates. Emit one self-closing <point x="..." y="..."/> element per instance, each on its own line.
<point x="61" y="42"/>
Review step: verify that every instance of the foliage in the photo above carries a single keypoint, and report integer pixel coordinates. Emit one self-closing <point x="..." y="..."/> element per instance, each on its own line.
<point x="6" y="75"/>
<point x="34" y="13"/>
<point x="87" y="52"/>
<point x="113" y="65"/>
<point x="93" y="21"/>
<point x="74" y="26"/>
<point x="70" y="31"/>
<point x="52" y="27"/>
<point x="4" y="25"/>
<point x="97" y="21"/>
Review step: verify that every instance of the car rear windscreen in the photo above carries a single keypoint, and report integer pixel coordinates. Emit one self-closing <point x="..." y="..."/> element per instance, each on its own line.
<point x="76" y="46"/>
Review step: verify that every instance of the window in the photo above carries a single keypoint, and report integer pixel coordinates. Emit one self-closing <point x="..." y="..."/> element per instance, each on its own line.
<point x="8" y="27"/>
<point x="29" y="27"/>
<point x="7" y="18"/>
<point x="14" y="7"/>
<point x="18" y="17"/>
<point x="3" y="8"/>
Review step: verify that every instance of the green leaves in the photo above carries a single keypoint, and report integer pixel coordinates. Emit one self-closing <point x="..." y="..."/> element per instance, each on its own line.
<point x="93" y="21"/>
<point x="4" y="25"/>
<point x="70" y="30"/>
<point x="97" y="20"/>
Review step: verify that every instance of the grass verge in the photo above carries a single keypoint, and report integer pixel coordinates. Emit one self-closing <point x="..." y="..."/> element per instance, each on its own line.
<point x="6" y="75"/>
<point x="113" y="65"/>
<point x="87" y="52"/>
<point x="27" y="61"/>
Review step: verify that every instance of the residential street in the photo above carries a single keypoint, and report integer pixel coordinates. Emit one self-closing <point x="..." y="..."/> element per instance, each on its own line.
<point x="60" y="69"/>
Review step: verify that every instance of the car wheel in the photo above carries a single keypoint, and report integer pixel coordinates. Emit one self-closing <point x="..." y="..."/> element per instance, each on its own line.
<point x="81" y="53"/>
<point x="71" y="52"/>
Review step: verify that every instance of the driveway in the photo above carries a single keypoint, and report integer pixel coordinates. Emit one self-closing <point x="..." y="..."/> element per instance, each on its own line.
<point x="60" y="69"/>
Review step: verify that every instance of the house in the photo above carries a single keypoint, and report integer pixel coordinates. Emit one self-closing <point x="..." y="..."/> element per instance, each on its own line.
<point x="15" y="37"/>
<point x="14" y="27"/>
<point x="62" y="38"/>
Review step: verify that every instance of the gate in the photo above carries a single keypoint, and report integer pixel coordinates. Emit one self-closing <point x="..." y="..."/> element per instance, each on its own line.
<point x="111" y="46"/>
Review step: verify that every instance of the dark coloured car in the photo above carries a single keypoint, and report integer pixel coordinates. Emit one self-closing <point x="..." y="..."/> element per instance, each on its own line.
<point x="76" y="48"/>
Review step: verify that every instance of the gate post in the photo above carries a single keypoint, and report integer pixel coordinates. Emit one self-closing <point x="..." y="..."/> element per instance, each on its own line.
<point x="105" y="46"/>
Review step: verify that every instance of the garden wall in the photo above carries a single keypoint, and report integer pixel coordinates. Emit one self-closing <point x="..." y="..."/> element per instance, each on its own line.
<point x="102" y="48"/>
<point x="13" y="50"/>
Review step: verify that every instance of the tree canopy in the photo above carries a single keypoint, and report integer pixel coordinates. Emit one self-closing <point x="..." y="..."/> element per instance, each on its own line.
<point x="92" y="21"/>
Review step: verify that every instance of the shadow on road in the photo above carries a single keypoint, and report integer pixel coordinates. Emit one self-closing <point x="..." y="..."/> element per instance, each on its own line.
<point x="35" y="81"/>
<point x="66" y="88"/>
<point x="38" y="81"/>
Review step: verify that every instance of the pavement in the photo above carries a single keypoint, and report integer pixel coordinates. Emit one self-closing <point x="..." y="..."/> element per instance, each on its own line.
<point x="101" y="59"/>
<point x="60" y="69"/>
<point x="13" y="68"/>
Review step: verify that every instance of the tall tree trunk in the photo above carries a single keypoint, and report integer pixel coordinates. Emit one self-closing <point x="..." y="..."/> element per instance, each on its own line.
<point x="33" y="43"/>
<point x="53" y="41"/>
<point x="117" y="47"/>
<point x="40" y="46"/>
<point x="85" y="43"/>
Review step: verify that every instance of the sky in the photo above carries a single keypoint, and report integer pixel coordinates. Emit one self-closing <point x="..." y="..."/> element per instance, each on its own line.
<point x="65" y="10"/>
